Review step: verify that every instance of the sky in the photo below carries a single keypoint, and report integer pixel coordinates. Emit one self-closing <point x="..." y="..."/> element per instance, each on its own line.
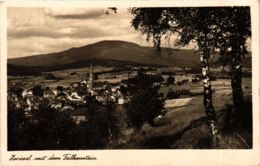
<point x="33" y="31"/>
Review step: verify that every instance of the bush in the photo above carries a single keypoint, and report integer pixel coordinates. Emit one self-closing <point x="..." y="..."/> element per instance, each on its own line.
<point x="37" y="90"/>
<point x="50" y="129"/>
<point x="16" y="90"/>
<point x="170" y="80"/>
<point x="16" y="125"/>
<point x="145" y="105"/>
<point x="172" y="94"/>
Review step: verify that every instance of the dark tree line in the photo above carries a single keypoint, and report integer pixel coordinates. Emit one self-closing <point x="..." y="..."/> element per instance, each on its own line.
<point x="50" y="129"/>
<point x="145" y="103"/>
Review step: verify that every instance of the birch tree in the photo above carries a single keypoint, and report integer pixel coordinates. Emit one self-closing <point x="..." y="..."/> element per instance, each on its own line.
<point x="223" y="28"/>
<point x="189" y="24"/>
<point x="235" y="27"/>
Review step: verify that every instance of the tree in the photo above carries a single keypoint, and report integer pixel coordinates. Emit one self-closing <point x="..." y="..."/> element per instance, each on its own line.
<point x="16" y="90"/>
<point x="172" y="95"/>
<point x="60" y="88"/>
<point x="51" y="130"/>
<point x="190" y="24"/>
<point x="37" y="90"/>
<point x="102" y="125"/>
<point x="158" y="78"/>
<point x="16" y="123"/>
<point x="211" y="28"/>
<point x="146" y="103"/>
<point x="235" y="27"/>
<point x="45" y="129"/>
<point x="170" y="80"/>
<point x="123" y="89"/>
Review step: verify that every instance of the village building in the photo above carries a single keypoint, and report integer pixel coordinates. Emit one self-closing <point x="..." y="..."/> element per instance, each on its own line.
<point x="48" y="93"/>
<point x="84" y="82"/>
<point x="55" y="91"/>
<point x="79" y="118"/>
<point x="123" y="100"/>
<point x="74" y="85"/>
<point x="114" y="89"/>
<point x="67" y="108"/>
<point x="56" y="105"/>
<point x="74" y="97"/>
<point x="27" y="93"/>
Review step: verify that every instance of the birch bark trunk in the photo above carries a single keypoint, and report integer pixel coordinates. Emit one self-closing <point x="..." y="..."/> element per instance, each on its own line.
<point x="207" y="101"/>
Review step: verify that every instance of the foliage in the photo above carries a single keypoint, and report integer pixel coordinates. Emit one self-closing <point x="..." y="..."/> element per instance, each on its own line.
<point x="220" y="26"/>
<point x="210" y="28"/>
<point x="37" y="90"/>
<point x="172" y="94"/>
<point x="142" y="81"/>
<point x="146" y="103"/>
<point x="170" y="80"/>
<point x="49" y="128"/>
<point x="158" y="78"/>
<point x="60" y="88"/>
<point x="144" y="107"/>
<point x="123" y="89"/>
<point x="16" y="122"/>
<point x="16" y="90"/>
<point x="81" y="90"/>
<point x="101" y="126"/>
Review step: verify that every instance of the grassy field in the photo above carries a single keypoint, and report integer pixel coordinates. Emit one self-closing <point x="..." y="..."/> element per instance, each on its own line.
<point x="64" y="77"/>
<point x="185" y="127"/>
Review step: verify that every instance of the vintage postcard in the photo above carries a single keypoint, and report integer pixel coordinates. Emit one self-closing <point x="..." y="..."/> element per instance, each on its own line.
<point x="129" y="83"/>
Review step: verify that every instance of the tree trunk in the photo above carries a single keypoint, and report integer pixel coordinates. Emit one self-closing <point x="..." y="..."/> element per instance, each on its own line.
<point x="209" y="109"/>
<point x="236" y="82"/>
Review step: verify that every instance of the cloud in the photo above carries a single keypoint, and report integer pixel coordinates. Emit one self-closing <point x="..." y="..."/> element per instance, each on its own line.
<point x="27" y="32"/>
<point x="30" y="22"/>
<point x="37" y="30"/>
<point x="42" y="45"/>
<point x="24" y="27"/>
<point x="74" y="31"/>
<point x="24" y="47"/>
<point x="74" y="13"/>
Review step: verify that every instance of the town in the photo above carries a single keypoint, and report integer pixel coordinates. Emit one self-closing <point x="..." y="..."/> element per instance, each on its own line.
<point x="109" y="88"/>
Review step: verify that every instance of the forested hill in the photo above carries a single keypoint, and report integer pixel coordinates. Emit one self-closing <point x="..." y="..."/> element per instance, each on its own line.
<point x="106" y="53"/>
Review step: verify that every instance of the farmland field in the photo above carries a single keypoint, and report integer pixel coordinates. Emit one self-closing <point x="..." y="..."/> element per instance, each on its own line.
<point x="171" y="127"/>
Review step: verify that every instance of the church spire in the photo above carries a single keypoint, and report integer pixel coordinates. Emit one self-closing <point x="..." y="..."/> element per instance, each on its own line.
<point x="90" y="80"/>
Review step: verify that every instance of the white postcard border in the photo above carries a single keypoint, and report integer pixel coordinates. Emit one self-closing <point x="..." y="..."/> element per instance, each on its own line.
<point x="135" y="157"/>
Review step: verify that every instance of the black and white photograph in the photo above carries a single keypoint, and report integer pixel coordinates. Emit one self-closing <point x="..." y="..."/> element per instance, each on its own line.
<point x="129" y="78"/>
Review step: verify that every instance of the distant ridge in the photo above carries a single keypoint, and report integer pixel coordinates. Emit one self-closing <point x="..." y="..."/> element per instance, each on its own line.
<point x="107" y="53"/>
<point x="113" y="50"/>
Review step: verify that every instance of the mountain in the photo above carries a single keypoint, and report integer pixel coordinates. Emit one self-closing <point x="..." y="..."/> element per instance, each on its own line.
<point x="113" y="50"/>
<point x="106" y="53"/>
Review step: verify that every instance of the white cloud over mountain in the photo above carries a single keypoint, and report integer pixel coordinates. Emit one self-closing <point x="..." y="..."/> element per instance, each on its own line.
<point x="74" y="13"/>
<point x="44" y="30"/>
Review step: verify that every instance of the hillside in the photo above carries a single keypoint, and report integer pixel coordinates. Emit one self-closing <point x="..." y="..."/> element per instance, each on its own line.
<point x="107" y="53"/>
<point x="108" y="50"/>
<point x="113" y="50"/>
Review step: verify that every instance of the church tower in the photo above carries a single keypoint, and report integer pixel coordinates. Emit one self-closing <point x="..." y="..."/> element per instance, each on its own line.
<point x="90" y="80"/>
